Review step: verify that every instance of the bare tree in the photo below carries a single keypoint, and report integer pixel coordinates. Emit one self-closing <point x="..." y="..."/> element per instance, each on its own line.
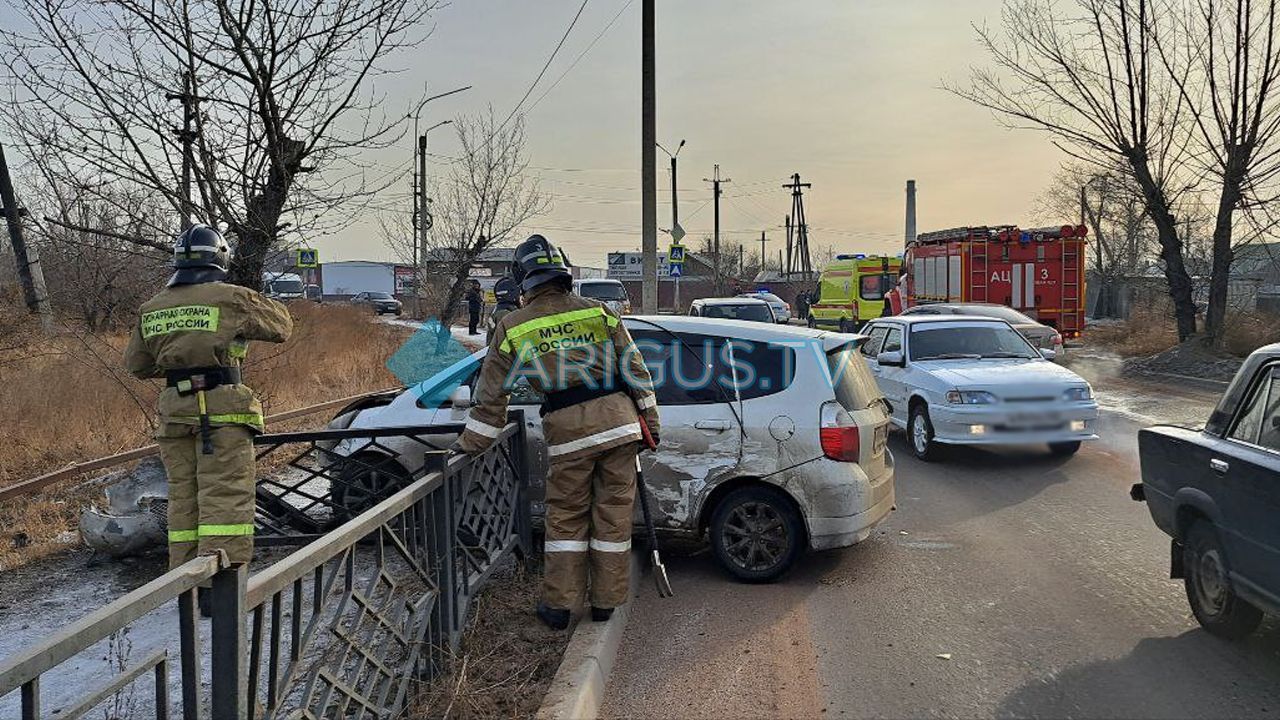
<point x="482" y="202"/>
<point x="1094" y="82"/>
<point x="1121" y="236"/>
<point x="261" y="104"/>
<point x="1226" y="61"/>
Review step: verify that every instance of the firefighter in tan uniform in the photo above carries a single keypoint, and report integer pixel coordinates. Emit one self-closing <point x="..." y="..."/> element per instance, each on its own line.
<point x="194" y="333"/>
<point x="598" y="392"/>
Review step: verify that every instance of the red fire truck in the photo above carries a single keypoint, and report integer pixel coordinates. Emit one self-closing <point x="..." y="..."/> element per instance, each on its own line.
<point x="1039" y="272"/>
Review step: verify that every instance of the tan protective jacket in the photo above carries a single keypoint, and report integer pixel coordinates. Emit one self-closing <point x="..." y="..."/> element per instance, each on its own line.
<point x="559" y="340"/>
<point x="199" y="326"/>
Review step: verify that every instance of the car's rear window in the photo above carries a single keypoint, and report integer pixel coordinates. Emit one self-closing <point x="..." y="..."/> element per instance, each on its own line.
<point x="855" y="387"/>
<point x="752" y="311"/>
<point x="872" y="287"/>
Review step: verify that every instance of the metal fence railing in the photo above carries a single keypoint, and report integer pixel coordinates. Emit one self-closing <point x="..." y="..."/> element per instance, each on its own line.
<point x="337" y="628"/>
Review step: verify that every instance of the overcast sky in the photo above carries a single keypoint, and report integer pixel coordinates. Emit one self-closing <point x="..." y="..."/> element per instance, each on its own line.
<point x="845" y="92"/>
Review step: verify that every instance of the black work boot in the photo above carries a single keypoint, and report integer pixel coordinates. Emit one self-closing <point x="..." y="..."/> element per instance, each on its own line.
<point x="599" y="614"/>
<point x="555" y="618"/>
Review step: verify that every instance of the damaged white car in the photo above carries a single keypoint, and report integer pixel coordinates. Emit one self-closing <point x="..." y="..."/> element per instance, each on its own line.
<point x="773" y="437"/>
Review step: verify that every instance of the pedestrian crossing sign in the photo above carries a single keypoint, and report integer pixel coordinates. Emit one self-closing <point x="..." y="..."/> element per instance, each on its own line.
<point x="675" y="269"/>
<point x="675" y="255"/>
<point x="308" y="258"/>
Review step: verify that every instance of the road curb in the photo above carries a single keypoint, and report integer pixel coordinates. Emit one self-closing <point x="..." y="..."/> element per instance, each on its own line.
<point x="1174" y="379"/>
<point x="577" y="691"/>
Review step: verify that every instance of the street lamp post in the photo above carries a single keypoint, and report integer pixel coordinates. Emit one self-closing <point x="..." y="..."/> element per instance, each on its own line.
<point x="676" y="231"/>
<point x="421" y="222"/>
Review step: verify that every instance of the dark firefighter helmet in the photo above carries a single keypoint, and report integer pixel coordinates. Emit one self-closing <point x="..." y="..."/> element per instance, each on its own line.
<point x="200" y="254"/>
<point x="200" y="246"/>
<point x="537" y="262"/>
<point x="507" y="291"/>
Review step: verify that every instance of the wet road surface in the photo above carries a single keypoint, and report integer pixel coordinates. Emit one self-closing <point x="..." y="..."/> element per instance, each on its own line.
<point x="1041" y="585"/>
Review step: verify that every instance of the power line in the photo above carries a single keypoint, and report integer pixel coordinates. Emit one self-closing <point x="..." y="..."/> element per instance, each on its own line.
<point x="585" y="50"/>
<point x="546" y="65"/>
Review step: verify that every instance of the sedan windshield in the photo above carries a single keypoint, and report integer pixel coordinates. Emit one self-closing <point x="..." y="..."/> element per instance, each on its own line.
<point x="754" y="312"/>
<point x="944" y="341"/>
<point x="1000" y="312"/>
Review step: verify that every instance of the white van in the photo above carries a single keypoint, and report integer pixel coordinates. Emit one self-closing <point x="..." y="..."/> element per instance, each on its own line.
<point x="610" y="292"/>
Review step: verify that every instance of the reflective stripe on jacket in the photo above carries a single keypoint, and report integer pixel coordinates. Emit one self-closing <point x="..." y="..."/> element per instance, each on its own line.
<point x="559" y="340"/>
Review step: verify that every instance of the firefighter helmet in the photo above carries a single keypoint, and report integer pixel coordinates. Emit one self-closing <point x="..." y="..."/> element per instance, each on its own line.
<point x="200" y="254"/>
<point x="201" y="246"/>
<point x="537" y="262"/>
<point x="507" y="291"/>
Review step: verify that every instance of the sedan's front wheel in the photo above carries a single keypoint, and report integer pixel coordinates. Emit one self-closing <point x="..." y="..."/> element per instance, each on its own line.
<point x="920" y="432"/>
<point x="756" y="534"/>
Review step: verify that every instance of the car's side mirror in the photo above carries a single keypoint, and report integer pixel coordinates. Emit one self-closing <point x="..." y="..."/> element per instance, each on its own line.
<point x="460" y="397"/>
<point x="1048" y="354"/>
<point x="891" y="358"/>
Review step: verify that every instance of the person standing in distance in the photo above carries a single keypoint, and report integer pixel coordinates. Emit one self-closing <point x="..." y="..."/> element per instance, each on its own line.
<point x="474" y="301"/>
<point x="598" y="392"/>
<point x="195" y="333"/>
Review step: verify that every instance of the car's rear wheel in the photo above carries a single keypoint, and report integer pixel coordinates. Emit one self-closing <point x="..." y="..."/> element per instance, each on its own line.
<point x="845" y="326"/>
<point x="364" y="481"/>
<point x="1065" y="449"/>
<point x="1213" y="601"/>
<point x="756" y="534"/>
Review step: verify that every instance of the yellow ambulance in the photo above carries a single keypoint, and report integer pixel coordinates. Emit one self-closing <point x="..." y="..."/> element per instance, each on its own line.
<point x="851" y="291"/>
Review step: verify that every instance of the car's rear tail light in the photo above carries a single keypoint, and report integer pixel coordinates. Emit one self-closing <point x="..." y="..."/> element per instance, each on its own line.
<point x="841" y="440"/>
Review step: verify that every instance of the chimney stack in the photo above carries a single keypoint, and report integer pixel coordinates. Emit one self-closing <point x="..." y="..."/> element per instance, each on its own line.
<point x="911" y="212"/>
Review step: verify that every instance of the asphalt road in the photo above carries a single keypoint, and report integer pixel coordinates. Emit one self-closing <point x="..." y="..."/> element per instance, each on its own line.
<point x="1040" y="583"/>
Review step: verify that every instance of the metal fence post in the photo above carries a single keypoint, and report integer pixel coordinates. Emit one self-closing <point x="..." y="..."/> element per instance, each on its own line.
<point x="523" y="507"/>
<point x="227" y="664"/>
<point x="442" y="538"/>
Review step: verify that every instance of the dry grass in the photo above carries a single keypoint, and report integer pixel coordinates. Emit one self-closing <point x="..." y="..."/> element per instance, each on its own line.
<point x="67" y="399"/>
<point x="507" y="660"/>
<point x="1151" y="330"/>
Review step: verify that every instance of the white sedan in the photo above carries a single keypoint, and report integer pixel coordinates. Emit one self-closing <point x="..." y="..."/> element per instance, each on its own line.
<point x="976" y="381"/>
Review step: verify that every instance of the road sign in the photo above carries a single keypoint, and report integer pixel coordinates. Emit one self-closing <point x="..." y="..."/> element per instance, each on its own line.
<point x="308" y="258"/>
<point x="675" y="270"/>
<point x="677" y="234"/>
<point x="675" y="255"/>
<point x="628" y="265"/>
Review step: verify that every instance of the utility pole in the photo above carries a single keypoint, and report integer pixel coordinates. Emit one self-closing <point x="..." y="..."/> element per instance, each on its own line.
<point x="186" y="136"/>
<point x="741" y="266"/>
<point x="27" y="259"/>
<point x="763" y="257"/>
<point x="716" y="181"/>
<point x="648" y="162"/>
<point x="798" y="246"/>
<point x="677" y="232"/>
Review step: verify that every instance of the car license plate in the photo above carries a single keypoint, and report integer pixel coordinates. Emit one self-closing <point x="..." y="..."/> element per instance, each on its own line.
<point x="1035" y="419"/>
<point x="881" y="439"/>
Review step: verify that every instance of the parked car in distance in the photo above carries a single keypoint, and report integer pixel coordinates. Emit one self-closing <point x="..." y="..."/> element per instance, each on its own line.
<point x="610" y="292"/>
<point x="379" y="302"/>
<point x="781" y="308"/>
<point x="1042" y="336"/>
<point x="786" y="457"/>
<point x="963" y="380"/>
<point x="739" y="308"/>
<point x="1216" y="493"/>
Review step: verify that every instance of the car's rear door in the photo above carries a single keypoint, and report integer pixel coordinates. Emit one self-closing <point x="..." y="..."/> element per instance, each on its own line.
<point x="701" y="430"/>
<point x="1246" y="470"/>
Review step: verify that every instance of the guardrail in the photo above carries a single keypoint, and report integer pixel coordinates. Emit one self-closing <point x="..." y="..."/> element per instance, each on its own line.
<point x="339" y="627"/>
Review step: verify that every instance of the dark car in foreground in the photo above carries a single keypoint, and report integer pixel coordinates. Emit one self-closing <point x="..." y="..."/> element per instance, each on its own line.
<point x="1216" y="492"/>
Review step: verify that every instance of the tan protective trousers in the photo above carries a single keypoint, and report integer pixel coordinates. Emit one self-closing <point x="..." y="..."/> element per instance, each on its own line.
<point x="589" y="502"/>
<point x="211" y="497"/>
